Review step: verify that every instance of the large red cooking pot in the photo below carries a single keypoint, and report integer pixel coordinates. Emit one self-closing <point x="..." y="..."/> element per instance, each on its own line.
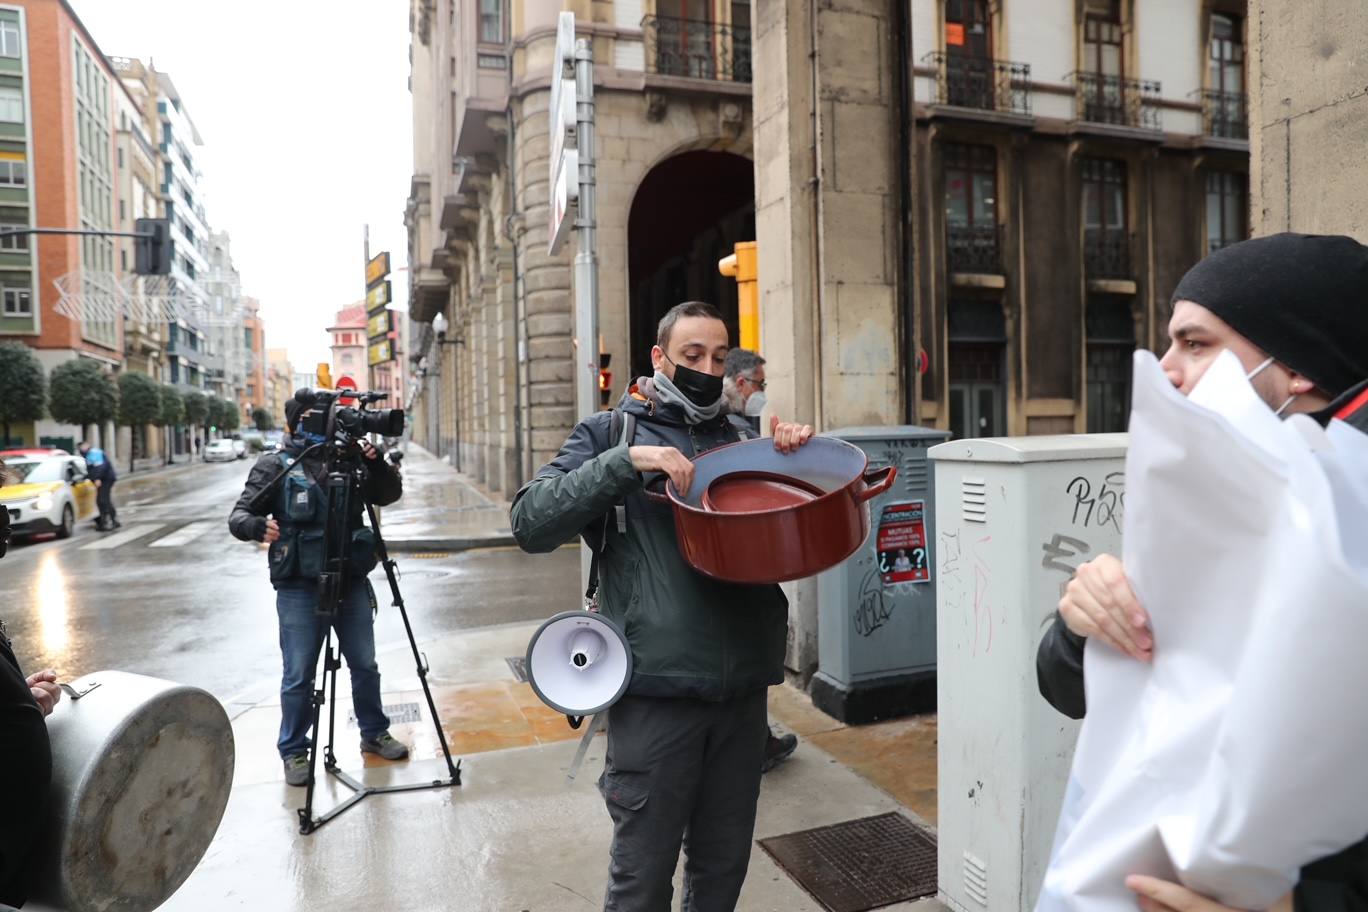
<point x="755" y="515"/>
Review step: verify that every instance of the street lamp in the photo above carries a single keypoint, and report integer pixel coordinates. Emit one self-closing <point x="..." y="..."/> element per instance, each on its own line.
<point x="440" y="326"/>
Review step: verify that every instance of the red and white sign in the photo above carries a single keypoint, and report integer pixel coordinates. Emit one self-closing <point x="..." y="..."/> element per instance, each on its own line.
<point x="904" y="556"/>
<point x="345" y="382"/>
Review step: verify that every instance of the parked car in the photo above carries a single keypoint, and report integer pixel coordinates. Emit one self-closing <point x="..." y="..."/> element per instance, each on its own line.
<point x="239" y="448"/>
<point x="32" y="453"/>
<point x="47" y="494"/>
<point x="220" y="451"/>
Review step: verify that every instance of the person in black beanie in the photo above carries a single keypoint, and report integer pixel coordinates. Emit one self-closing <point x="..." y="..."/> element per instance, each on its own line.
<point x="1294" y="309"/>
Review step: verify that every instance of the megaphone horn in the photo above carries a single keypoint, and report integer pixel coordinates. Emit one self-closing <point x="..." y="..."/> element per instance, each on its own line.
<point x="579" y="663"/>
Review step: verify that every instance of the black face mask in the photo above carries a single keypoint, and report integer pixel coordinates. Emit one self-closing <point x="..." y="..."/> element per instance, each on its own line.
<point x="701" y="389"/>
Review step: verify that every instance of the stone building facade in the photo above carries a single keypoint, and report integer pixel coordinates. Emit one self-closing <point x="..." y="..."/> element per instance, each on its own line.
<point x="675" y="179"/>
<point x="1310" y="108"/>
<point x="968" y="212"/>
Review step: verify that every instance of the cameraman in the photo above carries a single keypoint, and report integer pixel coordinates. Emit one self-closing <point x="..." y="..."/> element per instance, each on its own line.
<point x="298" y="512"/>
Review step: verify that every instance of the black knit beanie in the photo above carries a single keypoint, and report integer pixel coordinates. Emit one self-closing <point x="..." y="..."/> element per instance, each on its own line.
<point x="1302" y="298"/>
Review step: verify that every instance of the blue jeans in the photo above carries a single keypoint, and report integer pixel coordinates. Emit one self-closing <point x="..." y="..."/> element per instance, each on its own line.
<point x="301" y="640"/>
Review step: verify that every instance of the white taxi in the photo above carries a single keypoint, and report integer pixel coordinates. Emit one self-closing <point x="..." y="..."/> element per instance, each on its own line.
<point x="46" y="494"/>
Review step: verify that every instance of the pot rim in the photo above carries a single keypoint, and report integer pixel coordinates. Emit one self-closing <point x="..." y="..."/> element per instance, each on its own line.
<point x="675" y="500"/>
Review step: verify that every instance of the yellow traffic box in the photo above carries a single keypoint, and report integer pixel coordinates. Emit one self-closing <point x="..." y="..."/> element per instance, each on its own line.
<point x="742" y="266"/>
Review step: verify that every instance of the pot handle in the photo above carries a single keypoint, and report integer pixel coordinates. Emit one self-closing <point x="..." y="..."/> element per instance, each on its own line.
<point x="877" y="482"/>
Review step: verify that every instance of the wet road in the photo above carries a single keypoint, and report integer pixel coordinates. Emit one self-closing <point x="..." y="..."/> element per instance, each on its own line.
<point x="174" y="595"/>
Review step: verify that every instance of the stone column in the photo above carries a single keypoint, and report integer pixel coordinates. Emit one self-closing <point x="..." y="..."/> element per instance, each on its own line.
<point x="827" y="201"/>
<point x="1308" y="117"/>
<point x="546" y="290"/>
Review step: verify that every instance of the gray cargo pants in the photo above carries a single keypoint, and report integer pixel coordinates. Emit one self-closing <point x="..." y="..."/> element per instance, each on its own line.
<point x="681" y="771"/>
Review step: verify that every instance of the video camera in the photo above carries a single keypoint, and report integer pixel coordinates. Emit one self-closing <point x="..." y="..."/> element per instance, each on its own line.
<point x="326" y="416"/>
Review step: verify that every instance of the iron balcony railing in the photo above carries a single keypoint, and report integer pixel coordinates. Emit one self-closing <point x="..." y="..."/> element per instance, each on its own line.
<point x="974" y="248"/>
<point x="1113" y="100"/>
<point x="697" y="48"/>
<point x="1225" y="114"/>
<point x="981" y="83"/>
<point x="1106" y="254"/>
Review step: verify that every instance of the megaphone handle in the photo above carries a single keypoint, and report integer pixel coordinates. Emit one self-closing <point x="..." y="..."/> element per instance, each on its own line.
<point x="596" y="726"/>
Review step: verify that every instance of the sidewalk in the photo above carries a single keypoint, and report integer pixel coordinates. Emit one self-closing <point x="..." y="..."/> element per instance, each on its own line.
<point x="442" y="510"/>
<point x="514" y="835"/>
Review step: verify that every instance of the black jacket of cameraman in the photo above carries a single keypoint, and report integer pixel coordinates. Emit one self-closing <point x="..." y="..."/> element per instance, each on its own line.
<point x="299" y="508"/>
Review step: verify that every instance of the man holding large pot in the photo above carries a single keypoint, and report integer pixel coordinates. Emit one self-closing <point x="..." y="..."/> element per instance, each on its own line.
<point x="686" y="741"/>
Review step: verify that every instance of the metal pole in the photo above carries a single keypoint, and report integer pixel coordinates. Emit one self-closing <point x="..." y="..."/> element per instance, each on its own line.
<point x="586" y="260"/>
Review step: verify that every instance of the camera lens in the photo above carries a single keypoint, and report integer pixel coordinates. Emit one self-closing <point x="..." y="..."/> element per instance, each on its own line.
<point x="385" y="422"/>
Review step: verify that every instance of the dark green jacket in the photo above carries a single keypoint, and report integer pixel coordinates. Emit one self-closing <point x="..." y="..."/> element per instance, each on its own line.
<point x="691" y="636"/>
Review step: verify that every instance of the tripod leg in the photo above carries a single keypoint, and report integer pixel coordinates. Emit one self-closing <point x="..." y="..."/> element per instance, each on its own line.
<point x="332" y="662"/>
<point x="420" y="665"/>
<point x="306" y="818"/>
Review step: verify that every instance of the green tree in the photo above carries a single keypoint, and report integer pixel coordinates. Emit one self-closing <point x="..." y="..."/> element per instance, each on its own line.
<point x="139" y="405"/>
<point x="81" y="393"/>
<point x="196" y="409"/>
<point x="172" y="413"/>
<point x="261" y="418"/>
<point x="23" y="388"/>
<point x="230" y="419"/>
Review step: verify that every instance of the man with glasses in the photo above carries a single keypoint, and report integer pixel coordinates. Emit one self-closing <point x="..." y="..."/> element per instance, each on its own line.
<point x="743" y="386"/>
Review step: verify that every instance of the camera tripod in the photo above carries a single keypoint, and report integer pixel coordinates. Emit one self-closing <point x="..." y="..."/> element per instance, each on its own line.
<point x="345" y="475"/>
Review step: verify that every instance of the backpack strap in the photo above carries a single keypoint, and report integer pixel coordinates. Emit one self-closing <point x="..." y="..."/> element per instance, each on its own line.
<point x="622" y="428"/>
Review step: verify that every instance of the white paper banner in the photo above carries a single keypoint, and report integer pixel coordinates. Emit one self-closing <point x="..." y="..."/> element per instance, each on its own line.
<point x="1236" y="756"/>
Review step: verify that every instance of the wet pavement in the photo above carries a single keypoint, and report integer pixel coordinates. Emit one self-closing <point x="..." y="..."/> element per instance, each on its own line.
<point x="443" y="509"/>
<point x="514" y="835"/>
<point x="174" y="595"/>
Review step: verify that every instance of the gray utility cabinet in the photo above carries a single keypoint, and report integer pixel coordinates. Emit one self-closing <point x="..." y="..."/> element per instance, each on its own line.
<point x="1014" y="519"/>
<point x="876" y="613"/>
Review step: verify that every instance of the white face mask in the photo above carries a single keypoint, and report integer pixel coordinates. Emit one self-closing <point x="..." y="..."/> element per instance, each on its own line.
<point x="1259" y="370"/>
<point x="754" y="405"/>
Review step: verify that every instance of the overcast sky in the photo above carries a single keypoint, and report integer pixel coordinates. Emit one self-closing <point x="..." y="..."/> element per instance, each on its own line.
<point x="304" y="110"/>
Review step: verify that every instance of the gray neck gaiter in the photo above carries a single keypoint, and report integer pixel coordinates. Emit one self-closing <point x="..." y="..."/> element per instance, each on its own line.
<point x="693" y="414"/>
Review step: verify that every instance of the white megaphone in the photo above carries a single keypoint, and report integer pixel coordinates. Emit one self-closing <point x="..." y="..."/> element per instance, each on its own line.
<point x="579" y="663"/>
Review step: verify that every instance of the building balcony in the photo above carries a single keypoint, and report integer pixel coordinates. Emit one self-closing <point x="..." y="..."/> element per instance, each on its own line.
<point x="1106" y="254"/>
<point x="1225" y="115"/>
<point x="697" y="49"/>
<point x="974" y="249"/>
<point x="981" y="84"/>
<point x="1115" y="101"/>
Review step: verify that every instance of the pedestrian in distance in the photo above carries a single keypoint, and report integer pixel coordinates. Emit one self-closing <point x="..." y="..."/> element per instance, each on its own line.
<point x="1294" y="309"/>
<point x="686" y="741"/>
<point x="197" y="445"/>
<point x="293" y="526"/>
<point x="100" y="471"/>
<point x="743" y="386"/>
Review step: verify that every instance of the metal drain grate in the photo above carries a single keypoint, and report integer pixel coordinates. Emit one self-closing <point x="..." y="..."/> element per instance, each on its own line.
<point x="860" y="864"/>
<point x="398" y="713"/>
<point x="518" y="665"/>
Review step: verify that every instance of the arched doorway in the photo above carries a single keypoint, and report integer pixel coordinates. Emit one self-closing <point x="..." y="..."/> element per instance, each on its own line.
<point x="687" y="214"/>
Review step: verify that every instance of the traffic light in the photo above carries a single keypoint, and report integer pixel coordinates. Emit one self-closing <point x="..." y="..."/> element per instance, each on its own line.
<point x="605" y="380"/>
<point x="152" y="252"/>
